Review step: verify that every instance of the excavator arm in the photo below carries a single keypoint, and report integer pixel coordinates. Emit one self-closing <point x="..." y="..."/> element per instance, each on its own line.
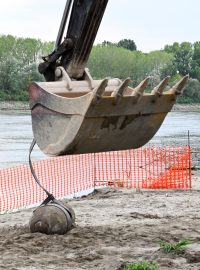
<point x="74" y="114"/>
<point x="72" y="51"/>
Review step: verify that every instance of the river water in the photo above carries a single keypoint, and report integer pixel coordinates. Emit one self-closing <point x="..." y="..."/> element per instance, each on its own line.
<point x="16" y="135"/>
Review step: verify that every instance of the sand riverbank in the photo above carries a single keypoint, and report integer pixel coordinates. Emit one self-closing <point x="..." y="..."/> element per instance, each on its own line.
<point x="114" y="226"/>
<point x="17" y="105"/>
<point x="14" y="105"/>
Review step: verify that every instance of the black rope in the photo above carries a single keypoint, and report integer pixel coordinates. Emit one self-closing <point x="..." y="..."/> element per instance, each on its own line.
<point x="50" y="197"/>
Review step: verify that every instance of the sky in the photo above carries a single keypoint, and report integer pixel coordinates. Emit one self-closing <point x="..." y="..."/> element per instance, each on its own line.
<point x="150" y="23"/>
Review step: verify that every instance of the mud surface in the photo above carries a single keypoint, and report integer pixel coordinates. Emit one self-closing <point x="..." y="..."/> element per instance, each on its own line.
<point x="114" y="226"/>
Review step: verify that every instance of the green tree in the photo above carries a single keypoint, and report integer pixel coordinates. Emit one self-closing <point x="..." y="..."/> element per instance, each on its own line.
<point x="196" y="61"/>
<point x="112" y="61"/>
<point x="191" y="92"/>
<point x="7" y="44"/>
<point x="18" y="65"/>
<point x="108" y="43"/>
<point x="128" y="44"/>
<point x="183" y="53"/>
<point x="9" y="69"/>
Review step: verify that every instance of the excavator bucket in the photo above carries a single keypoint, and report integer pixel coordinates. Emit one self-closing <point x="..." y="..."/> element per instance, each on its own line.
<point x="74" y="114"/>
<point x="76" y="117"/>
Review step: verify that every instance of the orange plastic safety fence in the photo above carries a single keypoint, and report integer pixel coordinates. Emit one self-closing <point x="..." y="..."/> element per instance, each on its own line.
<point x="164" y="168"/>
<point x="69" y="176"/>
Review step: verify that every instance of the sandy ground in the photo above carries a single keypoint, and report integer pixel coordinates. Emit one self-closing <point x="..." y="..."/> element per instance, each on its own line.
<point x="114" y="226"/>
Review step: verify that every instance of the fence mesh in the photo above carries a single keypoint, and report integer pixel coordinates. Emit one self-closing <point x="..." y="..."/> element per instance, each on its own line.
<point x="70" y="176"/>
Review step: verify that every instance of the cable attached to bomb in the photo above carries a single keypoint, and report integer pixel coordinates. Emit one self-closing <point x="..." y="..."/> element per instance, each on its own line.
<point x="50" y="198"/>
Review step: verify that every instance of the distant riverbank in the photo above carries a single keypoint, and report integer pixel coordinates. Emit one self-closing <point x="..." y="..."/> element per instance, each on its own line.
<point x="24" y="106"/>
<point x="14" y="105"/>
<point x="194" y="107"/>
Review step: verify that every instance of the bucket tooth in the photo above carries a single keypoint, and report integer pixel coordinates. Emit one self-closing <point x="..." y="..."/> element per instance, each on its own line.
<point x="88" y="77"/>
<point x="139" y="90"/>
<point x="118" y="93"/>
<point x="177" y="89"/>
<point x="61" y="75"/>
<point x="158" y="90"/>
<point x="99" y="91"/>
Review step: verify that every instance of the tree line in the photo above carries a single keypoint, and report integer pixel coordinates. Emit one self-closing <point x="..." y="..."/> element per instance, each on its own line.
<point x="19" y="58"/>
